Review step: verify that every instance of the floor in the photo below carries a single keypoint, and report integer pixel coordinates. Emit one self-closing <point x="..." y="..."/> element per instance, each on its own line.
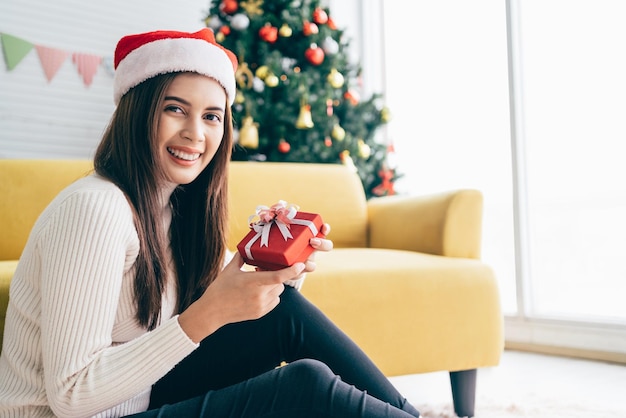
<point x="524" y="378"/>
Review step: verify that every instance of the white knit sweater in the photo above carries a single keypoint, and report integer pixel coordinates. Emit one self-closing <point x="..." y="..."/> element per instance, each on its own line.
<point x="72" y="346"/>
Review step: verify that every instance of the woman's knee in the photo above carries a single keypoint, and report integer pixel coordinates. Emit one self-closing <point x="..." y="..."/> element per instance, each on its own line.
<point x="309" y="372"/>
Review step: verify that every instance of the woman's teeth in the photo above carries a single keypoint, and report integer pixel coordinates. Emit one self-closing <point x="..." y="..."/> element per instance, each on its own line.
<point x="184" y="155"/>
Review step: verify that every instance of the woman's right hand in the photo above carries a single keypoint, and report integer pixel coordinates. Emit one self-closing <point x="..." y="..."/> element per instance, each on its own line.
<point x="235" y="296"/>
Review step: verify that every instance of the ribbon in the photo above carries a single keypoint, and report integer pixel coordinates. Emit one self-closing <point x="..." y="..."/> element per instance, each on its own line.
<point x="281" y="214"/>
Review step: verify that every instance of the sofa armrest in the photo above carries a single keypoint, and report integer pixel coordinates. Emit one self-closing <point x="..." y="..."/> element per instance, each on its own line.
<point x="448" y="224"/>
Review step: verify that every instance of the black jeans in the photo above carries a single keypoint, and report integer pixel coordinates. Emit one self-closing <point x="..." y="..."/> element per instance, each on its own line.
<point x="233" y="372"/>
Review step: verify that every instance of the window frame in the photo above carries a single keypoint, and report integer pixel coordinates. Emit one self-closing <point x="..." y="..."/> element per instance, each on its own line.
<point x="587" y="339"/>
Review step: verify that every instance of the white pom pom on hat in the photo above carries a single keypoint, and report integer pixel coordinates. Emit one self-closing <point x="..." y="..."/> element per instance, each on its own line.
<point x="145" y="55"/>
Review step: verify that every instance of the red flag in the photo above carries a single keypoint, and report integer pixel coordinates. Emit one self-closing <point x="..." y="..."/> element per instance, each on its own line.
<point x="51" y="60"/>
<point x="87" y="65"/>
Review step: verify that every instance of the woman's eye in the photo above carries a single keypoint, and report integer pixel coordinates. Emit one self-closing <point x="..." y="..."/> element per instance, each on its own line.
<point x="212" y="116"/>
<point x="172" y="108"/>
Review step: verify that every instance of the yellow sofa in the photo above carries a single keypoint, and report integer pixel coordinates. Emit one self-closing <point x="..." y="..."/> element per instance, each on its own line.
<point x="405" y="279"/>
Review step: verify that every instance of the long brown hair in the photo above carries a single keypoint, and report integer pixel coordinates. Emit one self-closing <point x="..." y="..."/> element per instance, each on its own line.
<point x="128" y="156"/>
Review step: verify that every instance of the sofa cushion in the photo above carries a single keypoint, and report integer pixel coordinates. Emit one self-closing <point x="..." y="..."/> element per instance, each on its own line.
<point x="31" y="187"/>
<point x="412" y="312"/>
<point x="327" y="189"/>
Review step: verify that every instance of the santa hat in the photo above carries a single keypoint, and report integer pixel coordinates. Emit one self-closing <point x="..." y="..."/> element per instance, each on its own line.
<point x="145" y="55"/>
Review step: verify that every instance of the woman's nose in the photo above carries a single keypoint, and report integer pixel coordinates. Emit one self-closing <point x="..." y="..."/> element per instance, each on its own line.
<point x="193" y="130"/>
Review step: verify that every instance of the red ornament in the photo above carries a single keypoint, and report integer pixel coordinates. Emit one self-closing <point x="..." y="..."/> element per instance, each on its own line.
<point x="329" y="107"/>
<point x="331" y="23"/>
<point x="229" y="6"/>
<point x="351" y="96"/>
<point x="320" y="16"/>
<point x="328" y="142"/>
<point x="269" y="33"/>
<point x="309" y="28"/>
<point x="284" y="146"/>
<point x="314" y="54"/>
<point x="225" y="30"/>
<point x="385" y="188"/>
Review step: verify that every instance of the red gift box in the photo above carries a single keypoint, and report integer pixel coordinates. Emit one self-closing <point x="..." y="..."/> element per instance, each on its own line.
<point x="280" y="242"/>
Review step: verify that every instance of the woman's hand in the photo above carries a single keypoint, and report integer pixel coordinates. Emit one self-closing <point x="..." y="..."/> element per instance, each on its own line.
<point x="320" y="244"/>
<point x="235" y="296"/>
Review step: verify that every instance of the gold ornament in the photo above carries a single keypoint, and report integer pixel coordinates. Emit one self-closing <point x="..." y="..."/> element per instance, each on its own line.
<point x="249" y="133"/>
<point x="239" y="97"/>
<point x="252" y="7"/>
<point x="305" y="121"/>
<point x="385" y="115"/>
<point x="244" y="76"/>
<point x="262" y="72"/>
<point x="220" y="37"/>
<point x="346" y="159"/>
<point x="335" y="78"/>
<point x="364" y="150"/>
<point x="271" y="80"/>
<point x="338" y="133"/>
<point x="285" y="31"/>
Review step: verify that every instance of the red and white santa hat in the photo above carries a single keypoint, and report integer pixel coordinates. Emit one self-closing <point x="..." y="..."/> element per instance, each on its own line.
<point x="145" y="55"/>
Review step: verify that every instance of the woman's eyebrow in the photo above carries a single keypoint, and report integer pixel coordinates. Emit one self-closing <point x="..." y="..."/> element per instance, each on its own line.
<point x="186" y="103"/>
<point x="178" y="99"/>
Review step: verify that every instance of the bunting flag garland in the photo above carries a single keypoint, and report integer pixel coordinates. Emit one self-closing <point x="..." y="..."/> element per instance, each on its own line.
<point x="15" y="49"/>
<point x="51" y="59"/>
<point x="107" y="63"/>
<point x="87" y="65"/>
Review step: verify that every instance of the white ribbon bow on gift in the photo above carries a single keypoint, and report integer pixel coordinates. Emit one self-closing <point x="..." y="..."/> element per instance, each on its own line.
<point x="280" y="214"/>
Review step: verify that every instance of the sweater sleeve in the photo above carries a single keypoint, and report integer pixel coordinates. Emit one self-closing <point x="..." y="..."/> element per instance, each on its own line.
<point x="84" y="248"/>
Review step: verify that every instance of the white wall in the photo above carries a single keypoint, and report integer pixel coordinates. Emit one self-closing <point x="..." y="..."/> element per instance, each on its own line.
<point x="64" y="118"/>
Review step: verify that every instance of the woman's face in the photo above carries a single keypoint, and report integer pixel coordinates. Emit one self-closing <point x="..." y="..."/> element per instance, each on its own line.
<point x="191" y="126"/>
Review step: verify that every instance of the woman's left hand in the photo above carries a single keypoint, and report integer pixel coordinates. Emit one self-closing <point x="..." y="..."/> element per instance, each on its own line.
<point x="320" y="244"/>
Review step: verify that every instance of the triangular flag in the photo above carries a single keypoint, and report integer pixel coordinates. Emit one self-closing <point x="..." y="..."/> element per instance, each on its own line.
<point x="107" y="62"/>
<point x="15" y="49"/>
<point x="87" y="65"/>
<point x="51" y="60"/>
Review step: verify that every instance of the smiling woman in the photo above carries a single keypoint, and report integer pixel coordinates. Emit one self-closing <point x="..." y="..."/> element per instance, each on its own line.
<point x="137" y="309"/>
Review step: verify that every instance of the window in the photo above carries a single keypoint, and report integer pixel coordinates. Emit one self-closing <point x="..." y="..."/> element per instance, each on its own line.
<point x="447" y="88"/>
<point x="573" y="98"/>
<point x="524" y="101"/>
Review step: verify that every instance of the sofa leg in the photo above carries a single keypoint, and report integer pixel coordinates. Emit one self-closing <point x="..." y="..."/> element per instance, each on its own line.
<point x="464" y="392"/>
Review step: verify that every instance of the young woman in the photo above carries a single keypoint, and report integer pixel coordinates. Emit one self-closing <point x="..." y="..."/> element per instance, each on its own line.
<point x="123" y="301"/>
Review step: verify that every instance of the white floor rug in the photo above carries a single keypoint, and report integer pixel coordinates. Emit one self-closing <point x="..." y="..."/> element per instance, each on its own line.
<point x="526" y="385"/>
<point x="535" y="408"/>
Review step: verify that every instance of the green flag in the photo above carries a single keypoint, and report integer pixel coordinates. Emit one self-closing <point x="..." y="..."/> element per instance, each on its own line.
<point x="15" y="49"/>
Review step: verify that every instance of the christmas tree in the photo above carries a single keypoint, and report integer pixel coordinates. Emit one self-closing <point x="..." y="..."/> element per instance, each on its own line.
<point x="298" y="95"/>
